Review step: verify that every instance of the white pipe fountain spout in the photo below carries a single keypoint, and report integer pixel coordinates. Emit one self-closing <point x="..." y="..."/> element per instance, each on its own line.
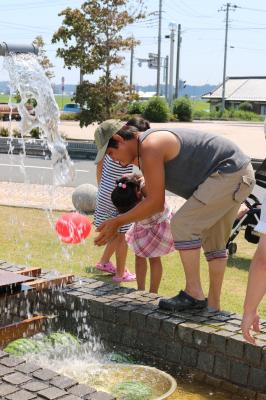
<point x="8" y="48"/>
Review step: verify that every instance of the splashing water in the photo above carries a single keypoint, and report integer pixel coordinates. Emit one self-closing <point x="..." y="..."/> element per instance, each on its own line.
<point x="28" y="78"/>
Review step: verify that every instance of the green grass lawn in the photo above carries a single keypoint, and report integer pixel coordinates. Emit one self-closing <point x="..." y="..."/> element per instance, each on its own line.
<point x="61" y="100"/>
<point x="200" y="105"/>
<point x="28" y="238"/>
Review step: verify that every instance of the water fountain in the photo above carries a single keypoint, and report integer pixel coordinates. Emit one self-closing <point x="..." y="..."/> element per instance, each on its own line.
<point x="28" y="79"/>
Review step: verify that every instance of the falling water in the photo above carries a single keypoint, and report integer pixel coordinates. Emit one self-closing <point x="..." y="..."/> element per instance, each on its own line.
<point x="27" y="77"/>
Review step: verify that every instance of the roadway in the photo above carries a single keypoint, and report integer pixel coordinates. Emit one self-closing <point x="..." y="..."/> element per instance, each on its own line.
<point x="37" y="170"/>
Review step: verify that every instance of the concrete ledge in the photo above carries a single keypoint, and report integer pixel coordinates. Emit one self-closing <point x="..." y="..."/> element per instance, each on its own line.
<point x="38" y="147"/>
<point x="208" y="344"/>
<point x="77" y="149"/>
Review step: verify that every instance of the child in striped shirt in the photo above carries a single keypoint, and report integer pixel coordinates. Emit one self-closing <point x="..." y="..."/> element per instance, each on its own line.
<point x="108" y="171"/>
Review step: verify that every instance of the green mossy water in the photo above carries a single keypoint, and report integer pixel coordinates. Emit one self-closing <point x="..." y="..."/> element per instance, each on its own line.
<point x="132" y="390"/>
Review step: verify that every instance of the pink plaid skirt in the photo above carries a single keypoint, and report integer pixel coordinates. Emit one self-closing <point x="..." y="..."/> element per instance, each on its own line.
<point x="152" y="237"/>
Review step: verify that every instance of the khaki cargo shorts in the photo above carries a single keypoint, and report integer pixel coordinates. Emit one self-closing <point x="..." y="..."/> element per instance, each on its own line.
<point x="207" y="217"/>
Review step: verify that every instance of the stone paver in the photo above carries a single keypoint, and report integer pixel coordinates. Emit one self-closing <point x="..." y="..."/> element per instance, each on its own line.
<point x="36" y="196"/>
<point x="43" y="197"/>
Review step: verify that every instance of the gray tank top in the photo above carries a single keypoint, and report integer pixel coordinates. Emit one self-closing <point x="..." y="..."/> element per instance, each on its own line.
<point x="201" y="154"/>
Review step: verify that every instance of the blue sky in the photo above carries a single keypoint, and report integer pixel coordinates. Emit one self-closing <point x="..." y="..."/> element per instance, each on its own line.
<point x="202" y="36"/>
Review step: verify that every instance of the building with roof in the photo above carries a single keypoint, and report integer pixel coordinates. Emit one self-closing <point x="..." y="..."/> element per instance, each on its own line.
<point x="240" y="89"/>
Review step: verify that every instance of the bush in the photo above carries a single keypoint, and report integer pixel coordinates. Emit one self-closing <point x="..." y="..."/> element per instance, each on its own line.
<point x="246" y="106"/>
<point x="35" y="133"/>
<point x="4" y="132"/>
<point x="16" y="133"/>
<point x="157" y="110"/>
<point x="137" y="107"/>
<point x="182" y="109"/>
<point x="228" y="115"/>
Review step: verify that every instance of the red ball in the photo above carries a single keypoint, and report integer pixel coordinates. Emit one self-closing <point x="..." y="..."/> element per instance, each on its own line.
<point x="73" y="227"/>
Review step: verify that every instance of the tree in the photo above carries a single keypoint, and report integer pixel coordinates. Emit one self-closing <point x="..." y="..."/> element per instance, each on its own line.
<point x="42" y="57"/>
<point x="93" y="41"/>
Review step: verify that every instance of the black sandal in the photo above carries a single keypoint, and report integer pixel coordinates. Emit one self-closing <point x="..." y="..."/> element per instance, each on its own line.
<point x="182" y="301"/>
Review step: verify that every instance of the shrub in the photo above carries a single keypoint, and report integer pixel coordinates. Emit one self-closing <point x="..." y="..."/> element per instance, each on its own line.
<point x="246" y="106"/>
<point x="157" y="110"/>
<point x="137" y="107"/>
<point x="182" y="109"/>
<point x="35" y="133"/>
<point x="4" y="132"/>
<point x="228" y="114"/>
<point x="201" y="114"/>
<point x="16" y="133"/>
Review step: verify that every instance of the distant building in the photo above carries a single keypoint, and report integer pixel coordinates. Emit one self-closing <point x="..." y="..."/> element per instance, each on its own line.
<point x="145" y="95"/>
<point x="251" y="89"/>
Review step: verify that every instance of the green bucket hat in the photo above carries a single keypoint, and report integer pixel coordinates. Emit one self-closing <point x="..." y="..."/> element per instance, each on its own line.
<point x="103" y="134"/>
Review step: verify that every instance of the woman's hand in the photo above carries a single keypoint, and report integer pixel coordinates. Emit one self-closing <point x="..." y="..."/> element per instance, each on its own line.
<point x="250" y="321"/>
<point x="108" y="230"/>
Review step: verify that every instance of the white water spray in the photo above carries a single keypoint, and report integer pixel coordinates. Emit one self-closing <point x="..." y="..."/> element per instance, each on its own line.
<point x="27" y="77"/>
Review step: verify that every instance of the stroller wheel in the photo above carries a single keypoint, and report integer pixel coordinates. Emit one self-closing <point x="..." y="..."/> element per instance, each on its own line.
<point x="232" y="248"/>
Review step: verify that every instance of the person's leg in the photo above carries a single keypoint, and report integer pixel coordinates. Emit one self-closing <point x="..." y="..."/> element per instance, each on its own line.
<point x="141" y="271"/>
<point x="121" y="254"/>
<point x="211" y="201"/>
<point x="214" y="244"/>
<point x="256" y="289"/>
<point x="191" y="263"/>
<point x="108" y="251"/>
<point x="156" y="271"/>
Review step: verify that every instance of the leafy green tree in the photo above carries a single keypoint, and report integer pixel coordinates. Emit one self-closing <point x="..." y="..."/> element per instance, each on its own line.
<point x="93" y="40"/>
<point x="42" y="57"/>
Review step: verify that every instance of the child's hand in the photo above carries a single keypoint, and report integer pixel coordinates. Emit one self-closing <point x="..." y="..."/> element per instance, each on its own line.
<point x="134" y="176"/>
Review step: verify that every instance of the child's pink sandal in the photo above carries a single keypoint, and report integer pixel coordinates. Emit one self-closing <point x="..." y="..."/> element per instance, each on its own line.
<point x="107" y="267"/>
<point x="127" y="277"/>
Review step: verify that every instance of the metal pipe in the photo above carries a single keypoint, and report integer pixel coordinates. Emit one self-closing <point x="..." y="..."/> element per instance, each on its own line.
<point x="6" y="49"/>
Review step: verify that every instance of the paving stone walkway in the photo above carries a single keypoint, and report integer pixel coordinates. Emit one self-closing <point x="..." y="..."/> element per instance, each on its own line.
<point x="48" y="197"/>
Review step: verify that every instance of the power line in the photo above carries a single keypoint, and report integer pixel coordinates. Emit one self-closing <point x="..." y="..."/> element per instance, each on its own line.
<point x="252" y="9"/>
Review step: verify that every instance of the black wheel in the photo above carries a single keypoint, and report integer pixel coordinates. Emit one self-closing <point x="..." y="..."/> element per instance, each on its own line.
<point x="232" y="248"/>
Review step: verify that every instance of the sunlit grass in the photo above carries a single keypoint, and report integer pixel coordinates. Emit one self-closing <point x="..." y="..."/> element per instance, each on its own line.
<point x="28" y="238"/>
<point x="61" y="100"/>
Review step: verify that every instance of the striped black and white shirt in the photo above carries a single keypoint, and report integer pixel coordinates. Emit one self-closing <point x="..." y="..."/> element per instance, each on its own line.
<point x="104" y="207"/>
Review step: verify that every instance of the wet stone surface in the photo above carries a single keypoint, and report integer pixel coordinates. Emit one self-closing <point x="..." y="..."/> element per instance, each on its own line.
<point x="209" y="343"/>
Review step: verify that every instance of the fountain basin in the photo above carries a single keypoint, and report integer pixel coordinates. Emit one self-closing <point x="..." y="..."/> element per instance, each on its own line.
<point x="129" y="381"/>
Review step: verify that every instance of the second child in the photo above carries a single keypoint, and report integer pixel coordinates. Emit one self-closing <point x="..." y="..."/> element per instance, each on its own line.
<point x="150" y="238"/>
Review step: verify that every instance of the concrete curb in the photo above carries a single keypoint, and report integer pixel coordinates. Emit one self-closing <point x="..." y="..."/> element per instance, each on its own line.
<point x="38" y="147"/>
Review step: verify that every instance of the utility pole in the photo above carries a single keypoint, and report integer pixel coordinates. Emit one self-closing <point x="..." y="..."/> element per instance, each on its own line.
<point x="171" y="68"/>
<point x="80" y="77"/>
<point x="159" y="48"/>
<point x="179" y="40"/>
<point x="226" y="8"/>
<point x="166" y="63"/>
<point x="131" y="65"/>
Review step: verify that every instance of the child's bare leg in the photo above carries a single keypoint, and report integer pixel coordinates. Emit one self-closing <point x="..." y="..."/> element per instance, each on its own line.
<point x="109" y="250"/>
<point x="141" y="271"/>
<point x="156" y="274"/>
<point x="121" y="254"/>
